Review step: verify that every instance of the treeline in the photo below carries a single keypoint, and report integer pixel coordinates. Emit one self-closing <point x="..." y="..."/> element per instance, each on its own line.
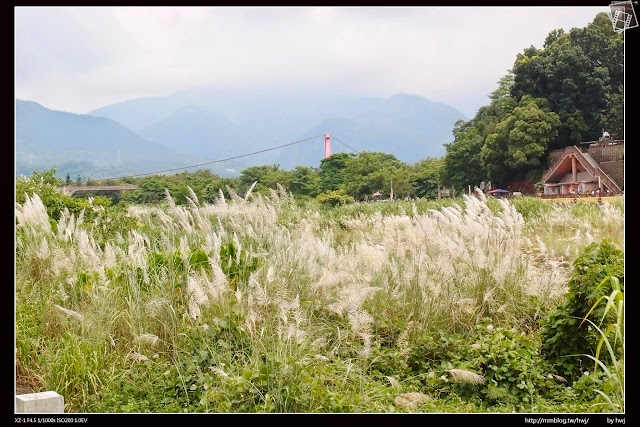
<point x="341" y="178"/>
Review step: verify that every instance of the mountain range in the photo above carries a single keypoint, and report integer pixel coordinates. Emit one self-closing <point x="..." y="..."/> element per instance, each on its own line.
<point x="198" y="128"/>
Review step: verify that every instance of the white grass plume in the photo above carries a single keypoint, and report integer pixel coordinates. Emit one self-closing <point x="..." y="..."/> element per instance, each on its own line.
<point x="403" y="339"/>
<point x="282" y="192"/>
<point x="197" y="296"/>
<point x="219" y="284"/>
<point x="185" y="218"/>
<point x="290" y="332"/>
<point x="43" y="252"/>
<point x="89" y="250"/>
<point x="234" y="196"/>
<point x="193" y="197"/>
<point x="137" y="249"/>
<point x="466" y="377"/>
<point x="360" y="321"/>
<point x="155" y="307"/>
<point x="66" y="226"/>
<point x="411" y="400"/>
<point x="218" y="371"/>
<point x="150" y="339"/>
<point x="166" y="220"/>
<point x="351" y="298"/>
<point x="169" y="199"/>
<point x="70" y="313"/>
<point x="110" y="258"/>
<point x="33" y="212"/>
<point x="250" y="190"/>
<point x="60" y="262"/>
<point x="136" y="357"/>
<point x="394" y="382"/>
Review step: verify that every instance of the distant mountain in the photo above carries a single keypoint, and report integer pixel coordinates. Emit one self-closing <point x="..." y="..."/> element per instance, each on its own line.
<point x="202" y="126"/>
<point x="409" y="126"/>
<point x="72" y="143"/>
<point x="137" y="113"/>
<point x="214" y="123"/>
<point x="195" y="130"/>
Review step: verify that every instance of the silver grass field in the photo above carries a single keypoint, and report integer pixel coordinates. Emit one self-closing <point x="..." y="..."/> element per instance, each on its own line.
<point x="310" y="290"/>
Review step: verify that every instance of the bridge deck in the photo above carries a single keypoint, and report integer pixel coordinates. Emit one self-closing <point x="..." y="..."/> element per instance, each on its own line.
<point x="71" y="190"/>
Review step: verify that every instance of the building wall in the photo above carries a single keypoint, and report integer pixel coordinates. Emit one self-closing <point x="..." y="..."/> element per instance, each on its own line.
<point x="615" y="170"/>
<point x="606" y="153"/>
<point x="553" y="157"/>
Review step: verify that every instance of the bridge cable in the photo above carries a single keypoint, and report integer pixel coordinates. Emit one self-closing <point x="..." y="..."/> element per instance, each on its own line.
<point x="220" y="160"/>
<point x="352" y="149"/>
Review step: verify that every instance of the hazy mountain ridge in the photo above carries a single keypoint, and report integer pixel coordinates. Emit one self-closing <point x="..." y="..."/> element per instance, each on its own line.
<point x="48" y="138"/>
<point x="203" y="125"/>
<point x="196" y="130"/>
<point x="408" y="126"/>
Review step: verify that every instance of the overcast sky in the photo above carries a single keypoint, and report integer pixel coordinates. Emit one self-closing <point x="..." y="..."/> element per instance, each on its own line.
<point x="77" y="59"/>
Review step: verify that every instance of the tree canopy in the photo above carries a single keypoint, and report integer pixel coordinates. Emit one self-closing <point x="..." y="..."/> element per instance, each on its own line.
<point x="566" y="92"/>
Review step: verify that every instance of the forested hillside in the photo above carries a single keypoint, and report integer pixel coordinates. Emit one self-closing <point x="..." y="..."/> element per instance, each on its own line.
<point x="83" y="144"/>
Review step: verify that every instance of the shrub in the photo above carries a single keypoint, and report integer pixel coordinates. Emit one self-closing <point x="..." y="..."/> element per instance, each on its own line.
<point x="334" y="198"/>
<point x="563" y="334"/>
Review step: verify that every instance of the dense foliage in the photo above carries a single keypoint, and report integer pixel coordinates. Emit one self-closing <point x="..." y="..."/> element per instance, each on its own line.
<point x="341" y="178"/>
<point x="564" y="333"/>
<point x="264" y="304"/>
<point x="562" y="94"/>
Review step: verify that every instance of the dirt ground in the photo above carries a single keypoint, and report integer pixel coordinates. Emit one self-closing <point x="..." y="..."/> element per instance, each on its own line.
<point x="24" y="387"/>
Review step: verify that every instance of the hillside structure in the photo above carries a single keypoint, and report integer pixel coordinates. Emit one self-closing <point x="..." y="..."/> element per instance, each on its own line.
<point x="597" y="167"/>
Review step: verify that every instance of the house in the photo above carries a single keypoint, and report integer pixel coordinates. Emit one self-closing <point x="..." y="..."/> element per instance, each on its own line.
<point x="576" y="170"/>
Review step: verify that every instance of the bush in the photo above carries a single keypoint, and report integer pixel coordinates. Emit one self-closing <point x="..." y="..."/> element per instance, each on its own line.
<point x="334" y="198"/>
<point x="563" y="334"/>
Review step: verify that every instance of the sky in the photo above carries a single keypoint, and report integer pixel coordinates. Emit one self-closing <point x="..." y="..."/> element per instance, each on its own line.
<point x="78" y="59"/>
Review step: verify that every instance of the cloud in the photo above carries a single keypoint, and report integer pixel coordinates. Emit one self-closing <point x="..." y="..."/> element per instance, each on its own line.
<point x="80" y="58"/>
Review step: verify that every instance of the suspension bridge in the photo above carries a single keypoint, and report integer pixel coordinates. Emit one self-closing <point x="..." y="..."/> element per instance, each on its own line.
<point x="110" y="188"/>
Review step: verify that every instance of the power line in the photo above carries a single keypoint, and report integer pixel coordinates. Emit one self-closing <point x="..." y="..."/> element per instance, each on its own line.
<point x="221" y="160"/>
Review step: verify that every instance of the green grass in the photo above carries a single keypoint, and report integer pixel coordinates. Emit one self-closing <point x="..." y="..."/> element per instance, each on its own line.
<point x="265" y="305"/>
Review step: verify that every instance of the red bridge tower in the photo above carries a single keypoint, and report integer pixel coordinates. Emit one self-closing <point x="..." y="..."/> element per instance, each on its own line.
<point x="327" y="145"/>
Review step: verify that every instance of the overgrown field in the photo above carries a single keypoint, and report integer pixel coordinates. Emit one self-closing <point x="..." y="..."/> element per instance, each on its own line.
<point x="261" y="304"/>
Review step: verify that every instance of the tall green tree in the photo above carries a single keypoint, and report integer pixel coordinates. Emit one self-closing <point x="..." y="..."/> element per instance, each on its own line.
<point x="425" y="177"/>
<point x="613" y="116"/>
<point x="150" y="191"/>
<point x="369" y="172"/>
<point x="304" y="181"/>
<point x="332" y="171"/>
<point x="581" y="74"/>
<point x="265" y="176"/>
<point x="520" y="140"/>
<point x="463" y="163"/>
